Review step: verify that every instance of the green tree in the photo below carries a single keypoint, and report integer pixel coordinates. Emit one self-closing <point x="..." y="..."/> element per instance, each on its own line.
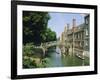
<point x="34" y="24"/>
<point x="48" y="35"/>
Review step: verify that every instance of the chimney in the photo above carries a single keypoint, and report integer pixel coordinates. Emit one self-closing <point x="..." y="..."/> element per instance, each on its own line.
<point x="65" y="29"/>
<point x="74" y="22"/>
<point x="67" y="26"/>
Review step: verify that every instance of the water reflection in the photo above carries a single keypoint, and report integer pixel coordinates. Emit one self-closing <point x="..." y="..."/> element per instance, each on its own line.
<point x="57" y="59"/>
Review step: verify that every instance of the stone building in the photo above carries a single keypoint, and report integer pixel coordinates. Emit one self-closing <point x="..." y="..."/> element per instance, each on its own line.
<point x="63" y="40"/>
<point x="77" y="38"/>
<point x="87" y="36"/>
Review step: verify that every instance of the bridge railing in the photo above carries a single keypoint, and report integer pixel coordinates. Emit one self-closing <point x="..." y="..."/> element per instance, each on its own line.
<point x="46" y="44"/>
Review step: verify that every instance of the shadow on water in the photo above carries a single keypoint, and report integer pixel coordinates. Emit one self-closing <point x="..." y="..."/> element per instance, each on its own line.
<point x="72" y="60"/>
<point x="57" y="59"/>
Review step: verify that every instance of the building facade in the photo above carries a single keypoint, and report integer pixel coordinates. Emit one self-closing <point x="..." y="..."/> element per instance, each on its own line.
<point x="77" y="38"/>
<point x="87" y="35"/>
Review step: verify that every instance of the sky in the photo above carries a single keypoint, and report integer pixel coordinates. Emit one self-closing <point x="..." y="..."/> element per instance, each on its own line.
<point x="58" y="21"/>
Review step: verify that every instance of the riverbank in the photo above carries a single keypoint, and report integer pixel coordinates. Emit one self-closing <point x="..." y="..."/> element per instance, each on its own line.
<point x="32" y="58"/>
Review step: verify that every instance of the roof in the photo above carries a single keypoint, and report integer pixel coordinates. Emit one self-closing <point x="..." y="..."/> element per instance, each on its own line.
<point x="77" y="29"/>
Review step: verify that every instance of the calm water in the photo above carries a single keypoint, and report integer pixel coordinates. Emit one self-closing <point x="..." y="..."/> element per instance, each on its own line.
<point x="57" y="59"/>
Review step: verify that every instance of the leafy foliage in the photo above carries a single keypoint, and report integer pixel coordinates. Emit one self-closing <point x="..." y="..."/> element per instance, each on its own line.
<point x="31" y="59"/>
<point x="28" y="63"/>
<point x="35" y="32"/>
<point x="28" y="49"/>
<point x="35" y="27"/>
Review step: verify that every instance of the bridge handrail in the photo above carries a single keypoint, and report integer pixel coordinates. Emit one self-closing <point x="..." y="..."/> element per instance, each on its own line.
<point x="46" y="44"/>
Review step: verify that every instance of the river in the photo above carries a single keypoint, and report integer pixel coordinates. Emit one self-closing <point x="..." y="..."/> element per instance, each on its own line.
<point x="57" y="59"/>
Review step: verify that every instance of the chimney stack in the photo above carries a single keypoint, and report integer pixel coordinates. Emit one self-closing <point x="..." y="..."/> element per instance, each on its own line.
<point x="74" y="22"/>
<point x="67" y="26"/>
